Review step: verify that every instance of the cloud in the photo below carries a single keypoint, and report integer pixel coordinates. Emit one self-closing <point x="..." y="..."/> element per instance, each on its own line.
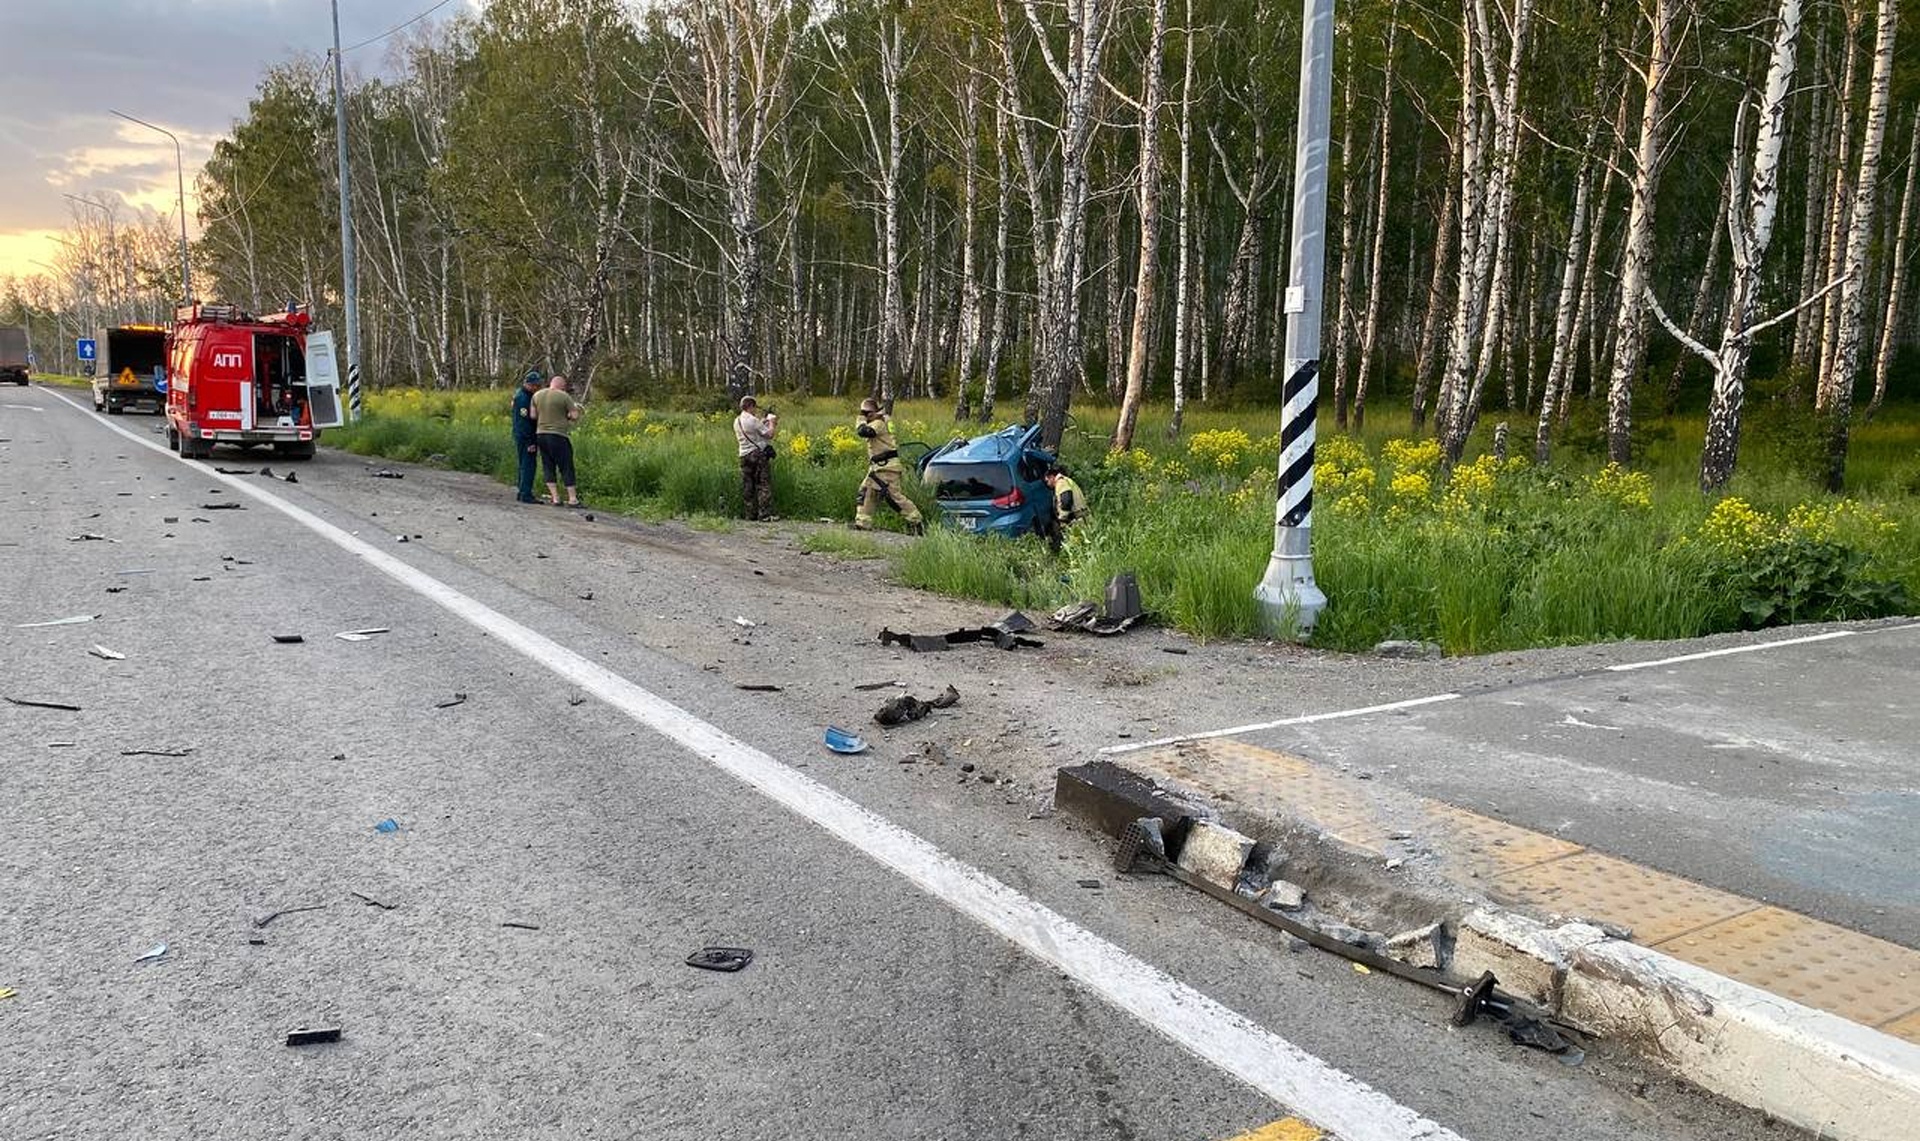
<point x="190" y="66"/>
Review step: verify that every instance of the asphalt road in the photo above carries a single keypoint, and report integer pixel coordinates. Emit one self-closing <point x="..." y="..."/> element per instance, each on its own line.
<point x="1788" y="773"/>
<point x="875" y="1007"/>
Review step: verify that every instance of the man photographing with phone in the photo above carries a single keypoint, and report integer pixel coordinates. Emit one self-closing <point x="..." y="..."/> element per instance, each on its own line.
<point x="754" y="430"/>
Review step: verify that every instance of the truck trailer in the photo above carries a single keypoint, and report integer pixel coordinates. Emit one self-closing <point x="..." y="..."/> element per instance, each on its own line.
<point x="237" y="379"/>
<point x="130" y="368"/>
<point x="14" y="363"/>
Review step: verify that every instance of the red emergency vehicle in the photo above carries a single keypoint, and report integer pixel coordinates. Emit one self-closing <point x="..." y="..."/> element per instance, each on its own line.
<point x="233" y="378"/>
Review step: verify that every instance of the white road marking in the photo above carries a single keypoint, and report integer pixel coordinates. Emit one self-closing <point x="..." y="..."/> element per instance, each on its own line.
<point x="1434" y="699"/>
<point x="1329" y="1097"/>
<point x="1306" y="719"/>
<point x="1624" y="667"/>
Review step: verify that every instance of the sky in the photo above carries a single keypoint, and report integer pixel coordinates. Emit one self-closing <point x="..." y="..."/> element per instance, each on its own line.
<point x="187" y="65"/>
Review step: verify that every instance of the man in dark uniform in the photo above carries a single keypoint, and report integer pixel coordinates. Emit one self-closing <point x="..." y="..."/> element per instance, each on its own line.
<point x="523" y="425"/>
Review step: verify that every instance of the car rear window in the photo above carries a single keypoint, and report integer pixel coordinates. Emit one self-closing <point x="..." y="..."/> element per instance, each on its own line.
<point x="970" y="481"/>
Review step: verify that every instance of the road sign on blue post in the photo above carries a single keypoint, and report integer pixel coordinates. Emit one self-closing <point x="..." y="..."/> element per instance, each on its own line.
<point x="83" y="349"/>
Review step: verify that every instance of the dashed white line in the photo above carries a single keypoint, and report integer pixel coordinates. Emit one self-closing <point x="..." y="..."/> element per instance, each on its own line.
<point x="1329" y="1097"/>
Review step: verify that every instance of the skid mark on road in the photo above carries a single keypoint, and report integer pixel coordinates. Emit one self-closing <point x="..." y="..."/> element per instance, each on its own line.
<point x="1268" y="1063"/>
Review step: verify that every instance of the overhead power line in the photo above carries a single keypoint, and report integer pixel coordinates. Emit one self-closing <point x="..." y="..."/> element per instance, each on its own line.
<point x="396" y="28"/>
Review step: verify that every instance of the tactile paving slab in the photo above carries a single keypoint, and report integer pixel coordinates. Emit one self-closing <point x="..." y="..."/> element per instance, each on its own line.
<point x="1817" y="964"/>
<point x="1484" y="848"/>
<point x="1655" y="905"/>
<point x="1908" y="1027"/>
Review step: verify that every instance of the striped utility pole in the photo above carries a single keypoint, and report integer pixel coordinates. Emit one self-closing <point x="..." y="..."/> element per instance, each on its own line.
<point x="1289" y="599"/>
<point x="350" y="288"/>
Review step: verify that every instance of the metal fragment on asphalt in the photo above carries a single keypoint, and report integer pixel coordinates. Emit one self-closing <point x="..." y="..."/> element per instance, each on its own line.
<point x="99" y="651"/>
<point x="306" y="1037"/>
<point x="156" y="752"/>
<point x="724" y="959"/>
<point x="29" y="703"/>
<point x="362" y="635"/>
<point x="456" y="699"/>
<point x="74" y="620"/>
<point x="154" y="954"/>
<point x="269" y="917"/>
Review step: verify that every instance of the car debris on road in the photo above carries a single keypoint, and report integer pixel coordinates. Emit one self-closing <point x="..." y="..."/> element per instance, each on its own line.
<point x="99" y="651"/>
<point x="1007" y="634"/>
<point x="75" y="620"/>
<point x="157" y="752"/>
<point x="362" y="635"/>
<point x="269" y="917"/>
<point x="306" y="1037"/>
<point x="30" y="703"/>
<point x="724" y="959"/>
<point x="900" y="710"/>
<point x="843" y="742"/>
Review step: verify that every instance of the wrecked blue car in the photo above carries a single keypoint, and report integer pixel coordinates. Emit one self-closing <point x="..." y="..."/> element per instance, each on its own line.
<point x="992" y="485"/>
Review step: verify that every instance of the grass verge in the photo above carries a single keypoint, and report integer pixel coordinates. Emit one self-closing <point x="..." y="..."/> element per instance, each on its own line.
<point x="1489" y="555"/>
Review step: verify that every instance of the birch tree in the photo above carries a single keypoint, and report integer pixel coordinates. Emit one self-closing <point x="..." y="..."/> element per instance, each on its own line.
<point x="1898" y="267"/>
<point x="1059" y="215"/>
<point x="1147" y="272"/>
<point x="1853" y="287"/>
<point x="1630" y="328"/>
<point x="882" y="130"/>
<point x="1750" y="223"/>
<point x="733" y="90"/>
<point x="1486" y="196"/>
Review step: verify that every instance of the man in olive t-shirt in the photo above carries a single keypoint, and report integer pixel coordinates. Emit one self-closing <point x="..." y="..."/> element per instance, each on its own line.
<point x="554" y="414"/>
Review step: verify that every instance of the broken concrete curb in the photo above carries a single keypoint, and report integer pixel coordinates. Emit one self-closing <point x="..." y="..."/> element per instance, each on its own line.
<point x="1817" y="1070"/>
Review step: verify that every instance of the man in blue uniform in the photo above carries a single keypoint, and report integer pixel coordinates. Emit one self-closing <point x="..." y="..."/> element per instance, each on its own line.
<point x="523" y="430"/>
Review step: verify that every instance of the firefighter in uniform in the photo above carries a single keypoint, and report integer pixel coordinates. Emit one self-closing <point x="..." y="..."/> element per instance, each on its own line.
<point x="883" y="480"/>
<point x="1069" y="504"/>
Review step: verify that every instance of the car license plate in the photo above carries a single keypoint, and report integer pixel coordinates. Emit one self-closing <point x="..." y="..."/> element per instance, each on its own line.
<point x="970" y="522"/>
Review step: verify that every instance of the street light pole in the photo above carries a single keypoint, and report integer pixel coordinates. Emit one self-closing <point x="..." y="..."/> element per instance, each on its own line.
<point x="112" y="250"/>
<point x="350" y="285"/>
<point x="1290" y="601"/>
<point x="180" y="174"/>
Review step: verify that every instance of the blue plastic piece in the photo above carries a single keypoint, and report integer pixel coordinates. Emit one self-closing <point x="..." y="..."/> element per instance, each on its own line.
<point x="841" y="741"/>
<point x="387" y="825"/>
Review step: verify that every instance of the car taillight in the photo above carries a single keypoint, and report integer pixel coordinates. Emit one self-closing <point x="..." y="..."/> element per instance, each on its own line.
<point x="1010" y="499"/>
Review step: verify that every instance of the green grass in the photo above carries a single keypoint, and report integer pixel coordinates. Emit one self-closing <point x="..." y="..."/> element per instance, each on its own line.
<point x="1510" y="557"/>
<point x="843" y="545"/>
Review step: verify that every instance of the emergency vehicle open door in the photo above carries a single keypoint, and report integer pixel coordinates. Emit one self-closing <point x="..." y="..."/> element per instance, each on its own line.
<point x="323" y="381"/>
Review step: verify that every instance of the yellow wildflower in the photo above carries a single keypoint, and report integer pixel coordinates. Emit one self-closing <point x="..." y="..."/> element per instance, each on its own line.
<point x="1631" y="489"/>
<point x="1412" y="455"/>
<point x="1220" y="449"/>
<point x="1734" y="526"/>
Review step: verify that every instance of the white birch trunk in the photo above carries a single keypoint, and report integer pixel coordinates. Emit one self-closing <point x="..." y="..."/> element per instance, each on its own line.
<point x="1149" y="252"/>
<point x="1897" y="275"/>
<point x="1630" y="330"/>
<point x="1853" y="290"/>
<point x="1370" y="323"/>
